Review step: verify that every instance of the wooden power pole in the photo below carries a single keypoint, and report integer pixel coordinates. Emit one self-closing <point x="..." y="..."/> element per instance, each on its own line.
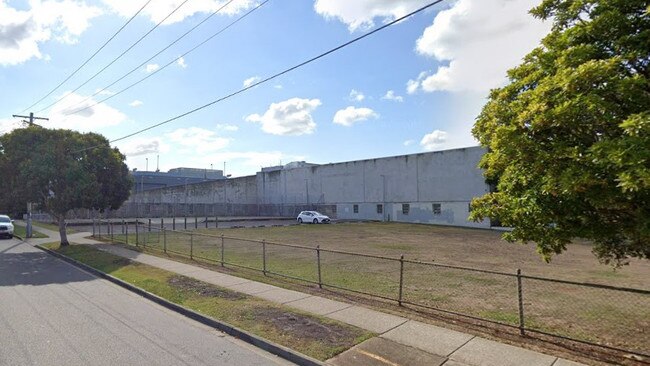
<point x="29" y="122"/>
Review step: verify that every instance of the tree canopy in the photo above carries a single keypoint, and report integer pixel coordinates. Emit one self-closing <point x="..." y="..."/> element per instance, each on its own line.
<point x="568" y="138"/>
<point x="63" y="170"/>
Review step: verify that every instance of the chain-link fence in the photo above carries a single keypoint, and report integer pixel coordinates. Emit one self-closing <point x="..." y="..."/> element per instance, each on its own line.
<point x="613" y="317"/>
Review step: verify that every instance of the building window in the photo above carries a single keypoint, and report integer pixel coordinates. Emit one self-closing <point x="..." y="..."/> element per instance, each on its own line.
<point x="355" y="208"/>
<point x="380" y="209"/>
<point x="406" y="208"/>
<point x="437" y="209"/>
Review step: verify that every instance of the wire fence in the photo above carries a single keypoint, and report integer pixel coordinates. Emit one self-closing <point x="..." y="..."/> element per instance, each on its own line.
<point x="617" y="318"/>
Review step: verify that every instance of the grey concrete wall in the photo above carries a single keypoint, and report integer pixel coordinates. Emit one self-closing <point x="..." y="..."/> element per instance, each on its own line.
<point x="449" y="177"/>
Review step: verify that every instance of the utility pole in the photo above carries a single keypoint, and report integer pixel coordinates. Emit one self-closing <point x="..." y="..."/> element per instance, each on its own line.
<point x="30" y="123"/>
<point x="31" y="117"/>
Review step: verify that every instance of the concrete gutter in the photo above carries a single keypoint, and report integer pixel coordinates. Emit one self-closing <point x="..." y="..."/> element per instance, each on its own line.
<point x="266" y="345"/>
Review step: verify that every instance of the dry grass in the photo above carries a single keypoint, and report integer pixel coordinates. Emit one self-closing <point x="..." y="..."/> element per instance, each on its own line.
<point x="620" y="319"/>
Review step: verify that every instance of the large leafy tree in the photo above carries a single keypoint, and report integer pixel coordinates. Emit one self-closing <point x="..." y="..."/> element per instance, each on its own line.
<point x="63" y="170"/>
<point x="569" y="138"/>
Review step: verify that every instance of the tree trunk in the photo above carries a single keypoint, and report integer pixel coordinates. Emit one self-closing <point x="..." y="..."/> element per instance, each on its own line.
<point x="64" y="235"/>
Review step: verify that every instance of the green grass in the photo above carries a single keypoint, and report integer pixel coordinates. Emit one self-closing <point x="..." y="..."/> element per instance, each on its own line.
<point x="53" y="227"/>
<point x="323" y="339"/>
<point x="21" y="232"/>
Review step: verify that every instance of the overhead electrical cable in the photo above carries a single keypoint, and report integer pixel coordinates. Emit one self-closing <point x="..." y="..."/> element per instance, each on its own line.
<point x="170" y="62"/>
<point x="117" y="58"/>
<point x="269" y="78"/>
<point x="90" y="58"/>
<point x="154" y="56"/>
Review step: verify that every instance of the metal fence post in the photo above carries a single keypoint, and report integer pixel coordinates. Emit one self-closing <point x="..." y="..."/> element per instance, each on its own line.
<point x="93" y="228"/>
<point x="99" y="228"/>
<point x="320" y="279"/>
<point x="222" y="250"/>
<point x="110" y="229"/>
<point x="401" y="278"/>
<point x="264" y="256"/>
<point x="122" y="227"/>
<point x="196" y="222"/>
<point x="162" y="223"/>
<point x="185" y="227"/>
<point x="191" y="246"/>
<point x="216" y="222"/>
<point x="149" y="225"/>
<point x="164" y="240"/>
<point x="126" y="231"/>
<point x="174" y="223"/>
<point x="520" y="298"/>
<point x="137" y="234"/>
<point x="206" y="222"/>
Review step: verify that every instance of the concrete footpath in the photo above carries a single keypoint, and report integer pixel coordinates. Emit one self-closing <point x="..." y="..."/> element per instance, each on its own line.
<point x="401" y="341"/>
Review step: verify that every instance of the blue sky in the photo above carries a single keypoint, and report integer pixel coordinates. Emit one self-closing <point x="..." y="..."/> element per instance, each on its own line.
<point x="416" y="86"/>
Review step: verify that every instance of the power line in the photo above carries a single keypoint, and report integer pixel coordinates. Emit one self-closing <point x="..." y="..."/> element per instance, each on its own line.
<point x="158" y="53"/>
<point x="274" y="76"/>
<point x="117" y="58"/>
<point x="170" y="62"/>
<point x="90" y="58"/>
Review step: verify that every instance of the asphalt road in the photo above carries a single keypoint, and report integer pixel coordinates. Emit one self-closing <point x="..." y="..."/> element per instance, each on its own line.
<point x="52" y="313"/>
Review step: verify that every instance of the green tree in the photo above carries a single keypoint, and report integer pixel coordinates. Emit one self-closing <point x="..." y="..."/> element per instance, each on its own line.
<point x="63" y="170"/>
<point x="569" y="138"/>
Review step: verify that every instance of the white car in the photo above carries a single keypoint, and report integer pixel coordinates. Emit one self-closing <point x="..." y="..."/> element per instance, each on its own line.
<point x="313" y="217"/>
<point x="6" y="226"/>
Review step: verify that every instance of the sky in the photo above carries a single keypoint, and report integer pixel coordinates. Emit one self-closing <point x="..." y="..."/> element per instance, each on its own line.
<point x="413" y="87"/>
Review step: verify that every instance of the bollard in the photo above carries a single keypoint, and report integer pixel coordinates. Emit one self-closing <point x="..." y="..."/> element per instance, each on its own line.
<point x="320" y="279"/>
<point x="401" y="278"/>
<point x="520" y="298"/>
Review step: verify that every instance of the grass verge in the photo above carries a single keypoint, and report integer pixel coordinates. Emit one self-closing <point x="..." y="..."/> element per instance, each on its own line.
<point x="311" y="335"/>
<point x="21" y="231"/>
<point x="53" y="227"/>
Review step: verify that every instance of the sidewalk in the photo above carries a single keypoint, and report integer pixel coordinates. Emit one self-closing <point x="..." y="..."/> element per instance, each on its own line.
<point x="400" y="342"/>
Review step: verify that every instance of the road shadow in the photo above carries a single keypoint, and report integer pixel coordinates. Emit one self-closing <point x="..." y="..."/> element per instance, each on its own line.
<point x="32" y="267"/>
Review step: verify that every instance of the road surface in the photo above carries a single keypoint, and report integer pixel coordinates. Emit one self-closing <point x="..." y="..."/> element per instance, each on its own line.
<point x="52" y="313"/>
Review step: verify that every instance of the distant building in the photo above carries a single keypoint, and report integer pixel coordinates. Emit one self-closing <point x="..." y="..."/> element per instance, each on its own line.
<point x="144" y="180"/>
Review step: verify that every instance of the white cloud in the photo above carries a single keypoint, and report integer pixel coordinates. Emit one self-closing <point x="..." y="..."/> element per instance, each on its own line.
<point x="226" y="127"/>
<point x="139" y="146"/>
<point x="23" y="31"/>
<point x="159" y="9"/>
<point x="478" y="40"/>
<point x="136" y="103"/>
<point x="151" y="68"/>
<point x="361" y="14"/>
<point x="351" y="115"/>
<point x="290" y="117"/>
<point x="390" y="95"/>
<point x="356" y="96"/>
<point x="251" y="80"/>
<point x="90" y="119"/>
<point x="104" y="92"/>
<point x="413" y="85"/>
<point x="409" y="142"/>
<point x="9" y="124"/>
<point x="197" y="140"/>
<point x="181" y="63"/>
<point x="278" y="86"/>
<point x="433" y="140"/>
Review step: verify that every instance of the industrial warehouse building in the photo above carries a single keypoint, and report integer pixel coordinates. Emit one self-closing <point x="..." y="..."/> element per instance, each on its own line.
<point x="434" y="188"/>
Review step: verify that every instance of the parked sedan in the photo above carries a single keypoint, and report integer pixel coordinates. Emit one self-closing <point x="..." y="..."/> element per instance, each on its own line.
<point x="313" y="217"/>
<point x="6" y="226"/>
